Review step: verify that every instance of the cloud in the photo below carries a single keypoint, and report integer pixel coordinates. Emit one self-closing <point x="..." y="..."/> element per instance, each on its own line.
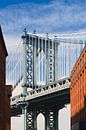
<point x="44" y="17"/>
<point x="56" y="16"/>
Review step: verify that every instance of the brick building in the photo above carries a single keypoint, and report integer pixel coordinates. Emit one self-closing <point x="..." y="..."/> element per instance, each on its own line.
<point x="5" y="91"/>
<point x="78" y="93"/>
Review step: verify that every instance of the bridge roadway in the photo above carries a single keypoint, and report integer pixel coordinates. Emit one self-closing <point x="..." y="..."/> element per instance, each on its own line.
<point x="55" y="94"/>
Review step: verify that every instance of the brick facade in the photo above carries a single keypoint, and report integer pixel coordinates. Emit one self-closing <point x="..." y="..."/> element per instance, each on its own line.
<point x="5" y="91"/>
<point x="78" y="93"/>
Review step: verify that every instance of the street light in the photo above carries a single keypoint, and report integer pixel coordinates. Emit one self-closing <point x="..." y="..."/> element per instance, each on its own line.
<point x="23" y="105"/>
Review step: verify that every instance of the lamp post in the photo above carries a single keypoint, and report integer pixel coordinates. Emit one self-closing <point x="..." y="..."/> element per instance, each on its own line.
<point x="23" y="105"/>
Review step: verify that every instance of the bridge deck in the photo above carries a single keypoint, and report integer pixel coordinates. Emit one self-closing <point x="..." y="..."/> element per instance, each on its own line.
<point x="43" y="90"/>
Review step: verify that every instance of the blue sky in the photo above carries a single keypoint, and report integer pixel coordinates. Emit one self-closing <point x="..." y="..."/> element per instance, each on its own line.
<point x="48" y="16"/>
<point x="5" y="3"/>
<point x="45" y="16"/>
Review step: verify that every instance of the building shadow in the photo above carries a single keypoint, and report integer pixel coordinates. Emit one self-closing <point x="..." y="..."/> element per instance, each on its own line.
<point x="78" y="121"/>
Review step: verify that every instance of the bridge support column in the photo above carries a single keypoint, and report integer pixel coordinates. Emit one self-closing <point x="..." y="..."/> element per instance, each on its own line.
<point x="24" y="112"/>
<point x="35" y="119"/>
<point x="24" y="90"/>
<point x="56" y="127"/>
<point x="29" y="120"/>
<point x="47" y="121"/>
<point x="51" y="120"/>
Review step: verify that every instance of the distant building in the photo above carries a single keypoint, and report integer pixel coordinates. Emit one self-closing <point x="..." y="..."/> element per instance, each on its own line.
<point x="78" y="93"/>
<point x="5" y="91"/>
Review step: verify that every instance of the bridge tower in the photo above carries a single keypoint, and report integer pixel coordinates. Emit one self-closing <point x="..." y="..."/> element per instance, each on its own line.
<point x="40" y="60"/>
<point x="40" y="66"/>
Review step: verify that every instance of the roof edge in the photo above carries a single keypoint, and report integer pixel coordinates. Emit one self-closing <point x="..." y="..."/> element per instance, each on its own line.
<point x="2" y="38"/>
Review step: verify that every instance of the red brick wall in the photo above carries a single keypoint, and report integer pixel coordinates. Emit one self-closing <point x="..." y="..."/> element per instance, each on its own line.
<point x="2" y="88"/>
<point x="78" y="89"/>
<point x="4" y="92"/>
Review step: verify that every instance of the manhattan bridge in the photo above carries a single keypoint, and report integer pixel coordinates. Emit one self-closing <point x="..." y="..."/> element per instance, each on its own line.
<point x="39" y="71"/>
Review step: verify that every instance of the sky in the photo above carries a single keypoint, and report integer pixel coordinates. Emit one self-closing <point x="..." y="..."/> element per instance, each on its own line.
<point x="44" y="16"/>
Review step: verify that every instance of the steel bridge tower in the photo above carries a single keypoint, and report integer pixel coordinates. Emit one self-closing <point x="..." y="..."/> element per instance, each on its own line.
<point x="45" y="50"/>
